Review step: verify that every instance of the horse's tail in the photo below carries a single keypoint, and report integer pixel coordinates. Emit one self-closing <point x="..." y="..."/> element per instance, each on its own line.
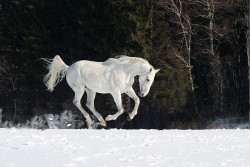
<point x="57" y="71"/>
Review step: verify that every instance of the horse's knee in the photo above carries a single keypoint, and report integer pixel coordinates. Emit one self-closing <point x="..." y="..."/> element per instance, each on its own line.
<point x="90" y="106"/>
<point x="137" y="100"/>
<point x="75" y="102"/>
<point x="121" y="111"/>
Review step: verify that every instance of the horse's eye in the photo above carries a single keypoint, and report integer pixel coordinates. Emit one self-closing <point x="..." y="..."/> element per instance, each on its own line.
<point x="148" y="80"/>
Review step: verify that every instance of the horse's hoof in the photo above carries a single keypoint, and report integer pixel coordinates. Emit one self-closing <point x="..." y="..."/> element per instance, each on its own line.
<point x="129" y="119"/>
<point x="103" y="124"/>
<point x="107" y="118"/>
<point x="89" y="123"/>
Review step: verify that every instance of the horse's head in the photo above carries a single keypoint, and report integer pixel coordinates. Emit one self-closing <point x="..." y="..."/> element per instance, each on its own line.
<point x="146" y="80"/>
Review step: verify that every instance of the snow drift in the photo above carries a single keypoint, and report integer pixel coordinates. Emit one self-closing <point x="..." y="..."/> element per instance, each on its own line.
<point x="117" y="148"/>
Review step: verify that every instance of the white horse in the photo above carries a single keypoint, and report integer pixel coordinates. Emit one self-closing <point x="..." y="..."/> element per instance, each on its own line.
<point x="114" y="76"/>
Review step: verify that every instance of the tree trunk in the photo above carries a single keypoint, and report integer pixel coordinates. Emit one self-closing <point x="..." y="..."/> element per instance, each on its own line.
<point x="215" y="57"/>
<point x="1" y="116"/>
<point x="15" y="98"/>
<point x="248" y="55"/>
<point x="192" y="88"/>
<point x="15" y="108"/>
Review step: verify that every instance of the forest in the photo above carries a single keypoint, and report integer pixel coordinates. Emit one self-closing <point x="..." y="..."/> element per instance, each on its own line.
<point x="199" y="45"/>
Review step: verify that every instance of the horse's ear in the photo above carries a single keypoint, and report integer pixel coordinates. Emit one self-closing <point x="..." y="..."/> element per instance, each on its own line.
<point x="156" y="71"/>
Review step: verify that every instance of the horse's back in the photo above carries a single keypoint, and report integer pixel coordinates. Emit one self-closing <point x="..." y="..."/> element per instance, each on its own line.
<point x="88" y="73"/>
<point x="82" y="67"/>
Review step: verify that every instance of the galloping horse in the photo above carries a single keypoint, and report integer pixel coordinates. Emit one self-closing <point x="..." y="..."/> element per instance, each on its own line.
<point x="114" y="76"/>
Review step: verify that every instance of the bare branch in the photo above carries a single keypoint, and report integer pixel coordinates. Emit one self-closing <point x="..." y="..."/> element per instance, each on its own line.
<point x="182" y="59"/>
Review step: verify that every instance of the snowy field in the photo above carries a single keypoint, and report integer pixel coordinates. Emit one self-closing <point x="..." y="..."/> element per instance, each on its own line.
<point x="116" y="148"/>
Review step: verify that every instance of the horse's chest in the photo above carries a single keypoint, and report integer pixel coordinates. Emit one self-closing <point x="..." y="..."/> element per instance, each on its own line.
<point x="127" y="84"/>
<point x="130" y="82"/>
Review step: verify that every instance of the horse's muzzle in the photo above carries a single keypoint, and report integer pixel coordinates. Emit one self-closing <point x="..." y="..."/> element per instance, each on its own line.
<point x="141" y="94"/>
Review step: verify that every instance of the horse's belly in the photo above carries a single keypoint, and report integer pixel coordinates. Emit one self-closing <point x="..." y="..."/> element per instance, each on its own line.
<point x="99" y="83"/>
<point x="106" y="84"/>
<point x="103" y="89"/>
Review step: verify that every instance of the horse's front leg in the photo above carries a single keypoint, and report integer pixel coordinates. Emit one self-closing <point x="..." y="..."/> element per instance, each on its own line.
<point x="118" y="102"/>
<point x="131" y="93"/>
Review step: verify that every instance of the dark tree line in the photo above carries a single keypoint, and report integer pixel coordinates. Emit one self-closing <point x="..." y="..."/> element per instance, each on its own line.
<point x="200" y="46"/>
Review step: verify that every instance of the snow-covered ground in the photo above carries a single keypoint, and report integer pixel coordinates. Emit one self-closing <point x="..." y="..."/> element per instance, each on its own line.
<point x="115" y="148"/>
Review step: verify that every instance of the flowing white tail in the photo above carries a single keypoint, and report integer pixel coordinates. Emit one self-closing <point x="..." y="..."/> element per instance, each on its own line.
<point x="57" y="71"/>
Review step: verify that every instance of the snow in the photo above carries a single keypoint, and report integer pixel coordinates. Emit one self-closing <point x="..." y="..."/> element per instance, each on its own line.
<point x="228" y="123"/>
<point x="66" y="120"/>
<point x="117" y="148"/>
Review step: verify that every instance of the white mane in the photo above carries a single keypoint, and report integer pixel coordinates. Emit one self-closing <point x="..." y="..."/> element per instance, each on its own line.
<point x="122" y="59"/>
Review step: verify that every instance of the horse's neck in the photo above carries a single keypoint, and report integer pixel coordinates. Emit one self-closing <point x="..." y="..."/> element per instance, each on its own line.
<point x="134" y="69"/>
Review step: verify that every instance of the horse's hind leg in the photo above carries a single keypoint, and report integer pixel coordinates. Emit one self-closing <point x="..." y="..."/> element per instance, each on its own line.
<point x="79" y="91"/>
<point x="91" y="105"/>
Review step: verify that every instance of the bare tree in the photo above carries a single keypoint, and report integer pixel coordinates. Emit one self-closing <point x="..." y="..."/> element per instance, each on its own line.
<point x="182" y="19"/>
<point x="183" y="14"/>
<point x="8" y="80"/>
<point x="248" y="55"/>
<point x="1" y="116"/>
<point x="207" y="9"/>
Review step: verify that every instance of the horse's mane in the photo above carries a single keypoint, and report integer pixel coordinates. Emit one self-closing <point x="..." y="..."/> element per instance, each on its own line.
<point x="122" y="59"/>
